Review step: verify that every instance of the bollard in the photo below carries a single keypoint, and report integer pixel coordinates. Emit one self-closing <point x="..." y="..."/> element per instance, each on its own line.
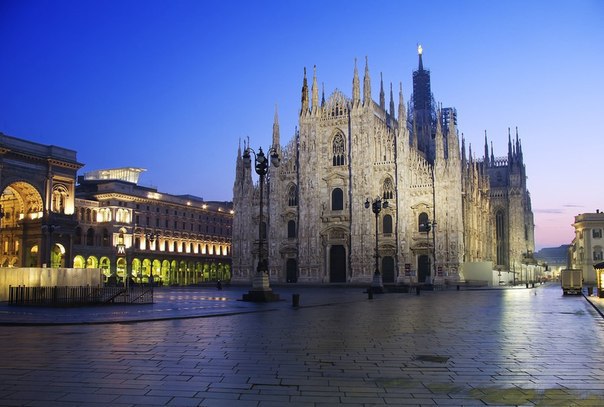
<point x="296" y="300"/>
<point x="457" y="287"/>
<point x="533" y="285"/>
<point x="369" y="293"/>
<point x="526" y="285"/>
<point x="590" y="291"/>
<point x="417" y="289"/>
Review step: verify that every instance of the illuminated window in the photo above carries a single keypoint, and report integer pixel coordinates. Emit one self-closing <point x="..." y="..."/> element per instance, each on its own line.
<point x="596" y="233"/>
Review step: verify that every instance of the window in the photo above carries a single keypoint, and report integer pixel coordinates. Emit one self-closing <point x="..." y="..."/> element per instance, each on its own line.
<point x="291" y="229"/>
<point x="387" y="225"/>
<point x="90" y="237"/>
<point x="596" y="233"/>
<point x="388" y="189"/>
<point x="422" y="222"/>
<point x="263" y="230"/>
<point x="598" y="255"/>
<point x="500" y="236"/>
<point x="337" y="200"/>
<point x="338" y="150"/>
<point x="292" y="196"/>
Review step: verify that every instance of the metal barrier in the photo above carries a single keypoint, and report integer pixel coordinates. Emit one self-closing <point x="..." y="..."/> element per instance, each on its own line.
<point x="72" y="296"/>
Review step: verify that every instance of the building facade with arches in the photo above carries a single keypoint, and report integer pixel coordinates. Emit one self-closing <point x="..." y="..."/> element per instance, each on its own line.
<point x="446" y="206"/>
<point x="37" y="204"/>
<point x="131" y="230"/>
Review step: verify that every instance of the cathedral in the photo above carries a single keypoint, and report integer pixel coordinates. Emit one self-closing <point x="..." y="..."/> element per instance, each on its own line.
<point x="366" y="189"/>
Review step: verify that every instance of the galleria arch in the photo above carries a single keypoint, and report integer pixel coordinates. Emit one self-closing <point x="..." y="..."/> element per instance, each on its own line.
<point x="37" y="202"/>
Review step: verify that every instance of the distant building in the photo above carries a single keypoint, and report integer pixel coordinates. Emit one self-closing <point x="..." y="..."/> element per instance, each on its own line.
<point x="587" y="247"/>
<point x="446" y="207"/>
<point x="128" y="229"/>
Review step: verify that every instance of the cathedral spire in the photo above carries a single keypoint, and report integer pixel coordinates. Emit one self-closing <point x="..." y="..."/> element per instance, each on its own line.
<point x="518" y="146"/>
<point x="382" y="95"/>
<point x="402" y="113"/>
<point x="391" y="105"/>
<point x="463" y="150"/>
<point x="366" y="85"/>
<point x="510" y="155"/>
<point x="276" y="136"/>
<point x="439" y="154"/>
<point x="315" y="91"/>
<point x="486" y="149"/>
<point x="304" y="108"/>
<point x="492" y="154"/>
<point x="356" y="87"/>
<point x="322" y="94"/>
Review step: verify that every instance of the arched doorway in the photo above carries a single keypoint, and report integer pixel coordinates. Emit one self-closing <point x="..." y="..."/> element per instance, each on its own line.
<point x="388" y="269"/>
<point x="291" y="271"/>
<point x="423" y="269"/>
<point x="337" y="264"/>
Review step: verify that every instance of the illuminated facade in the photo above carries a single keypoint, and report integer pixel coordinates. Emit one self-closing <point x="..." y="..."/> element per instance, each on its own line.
<point x="37" y="203"/>
<point x="587" y="247"/>
<point x="48" y="220"/>
<point x="446" y="207"/>
<point x="128" y="229"/>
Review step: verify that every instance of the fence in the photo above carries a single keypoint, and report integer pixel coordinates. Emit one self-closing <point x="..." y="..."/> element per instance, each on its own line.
<point x="72" y="296"/>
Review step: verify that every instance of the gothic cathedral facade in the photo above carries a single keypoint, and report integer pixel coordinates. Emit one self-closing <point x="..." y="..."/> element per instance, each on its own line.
<point x="445" y="207"/>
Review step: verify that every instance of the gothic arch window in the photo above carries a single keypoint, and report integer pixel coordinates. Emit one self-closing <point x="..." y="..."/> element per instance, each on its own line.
<point x="339" y="148"/>
<point x="292" y="196"/>
<point x="387" y="225"/>
<point x="291" y="229"/>
<point x="422" y="222"/>
<point x="500" y="236"/>
<point x="337" y="199"/>
<point x="388" y="189"/>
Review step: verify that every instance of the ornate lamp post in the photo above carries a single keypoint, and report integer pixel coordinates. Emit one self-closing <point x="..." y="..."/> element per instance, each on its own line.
<point x="376" y="207"/>
<point x="151" y="237"/>
<point x="261" y="290"/>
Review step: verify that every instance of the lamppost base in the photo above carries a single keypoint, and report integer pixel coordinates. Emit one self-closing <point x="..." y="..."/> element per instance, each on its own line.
<point x="261" y="290"/>
<point x="377" y="285"/>
<point x="261" y="296"/>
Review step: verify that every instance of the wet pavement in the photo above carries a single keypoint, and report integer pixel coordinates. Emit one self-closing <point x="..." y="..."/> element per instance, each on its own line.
<point x="204" y="347"/>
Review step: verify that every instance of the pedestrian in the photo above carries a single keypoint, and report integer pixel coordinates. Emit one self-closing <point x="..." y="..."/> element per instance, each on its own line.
<point x="219" y="285"/>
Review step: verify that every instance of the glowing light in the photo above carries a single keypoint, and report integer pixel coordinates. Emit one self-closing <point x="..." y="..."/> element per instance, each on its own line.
<point x="153" y="195"/>
<point x="420" y="50"/>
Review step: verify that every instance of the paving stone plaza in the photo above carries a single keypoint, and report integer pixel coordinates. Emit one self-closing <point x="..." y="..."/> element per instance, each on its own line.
<point x="204" y="347"/>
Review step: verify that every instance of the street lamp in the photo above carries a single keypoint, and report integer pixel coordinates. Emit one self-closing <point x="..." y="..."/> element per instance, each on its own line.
<point x="261" y="291"/>
<point x="151" y="237"/>
<point x="376" y="207"/>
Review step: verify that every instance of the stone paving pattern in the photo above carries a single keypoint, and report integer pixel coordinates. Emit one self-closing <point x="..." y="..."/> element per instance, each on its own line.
<point x="454" y="348"/>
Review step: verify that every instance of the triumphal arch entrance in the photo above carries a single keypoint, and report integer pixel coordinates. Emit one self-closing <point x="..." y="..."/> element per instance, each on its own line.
<point x="37" y="204"/>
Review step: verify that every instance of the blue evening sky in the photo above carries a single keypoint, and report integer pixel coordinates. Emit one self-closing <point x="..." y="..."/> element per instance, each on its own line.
<point x="172" y="86"/>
